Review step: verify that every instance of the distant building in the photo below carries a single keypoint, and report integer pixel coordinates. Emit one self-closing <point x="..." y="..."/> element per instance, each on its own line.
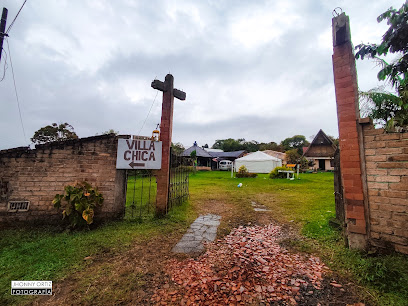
<point x="277" y="154"/>
<point x="213" y="150"/>
<point x="211" y="157"/>
<point x="219" y="156"/>
<point x="321" y="152"/>
<point x="203" y="157"/>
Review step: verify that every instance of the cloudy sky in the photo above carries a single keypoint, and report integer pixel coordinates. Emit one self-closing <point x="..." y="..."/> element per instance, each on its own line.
<point x="259" y="70"/>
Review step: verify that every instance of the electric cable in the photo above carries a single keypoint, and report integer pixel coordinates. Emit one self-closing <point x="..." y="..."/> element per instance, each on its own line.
<point x="12" y="23"/>
<point x="15" y="90"/>
<point x="148" y="113"/>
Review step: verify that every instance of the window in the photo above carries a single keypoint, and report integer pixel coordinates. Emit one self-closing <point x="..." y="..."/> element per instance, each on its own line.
<point x="15" y="206"/>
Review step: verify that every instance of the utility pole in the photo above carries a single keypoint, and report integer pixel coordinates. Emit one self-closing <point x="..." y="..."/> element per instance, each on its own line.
<point x="3" y="29"/>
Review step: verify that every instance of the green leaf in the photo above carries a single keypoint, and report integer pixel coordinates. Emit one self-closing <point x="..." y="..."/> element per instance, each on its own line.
<point x="88" y="215"/>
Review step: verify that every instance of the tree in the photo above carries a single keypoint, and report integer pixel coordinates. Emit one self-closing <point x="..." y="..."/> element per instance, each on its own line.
<point x="292" y="156"/>
<point x="229" y="145"/>
<point x="295" y="142"/>
<point x="250" y="146"/>
<point x="110" y="131"/>
<point x="177" y="148"/>
<point x="54" y="132"/>
<point x="380" y="105"/>
<point x="388" y="109"/>
<point x="334" y="140"/>
<point x="270" y="146"/>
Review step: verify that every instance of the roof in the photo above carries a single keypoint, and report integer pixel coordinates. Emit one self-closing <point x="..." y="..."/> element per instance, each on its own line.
<point x="200" y="152"/>
<point x="320" y="139"/>
<point x="258" y="156"/>
<point x="213" y="150"/>
<point x="276" y="154"/>
<point x="233" y="154"/>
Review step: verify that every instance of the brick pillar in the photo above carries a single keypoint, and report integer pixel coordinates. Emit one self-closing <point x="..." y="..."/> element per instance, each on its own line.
<point x="345" y="80"/>
<point x="166" y="129"/>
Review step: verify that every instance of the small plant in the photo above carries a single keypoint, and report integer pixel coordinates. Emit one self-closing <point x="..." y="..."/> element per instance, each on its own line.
<point x="380" y="272"/>
<point x="78" y="203"/>
<point x="276" y="174"/>
<point x="243" y="172"/>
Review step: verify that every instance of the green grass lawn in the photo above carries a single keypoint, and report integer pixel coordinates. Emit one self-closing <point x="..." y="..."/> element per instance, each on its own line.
<point x="307" y="204"/>
<point x="44" y="254"/>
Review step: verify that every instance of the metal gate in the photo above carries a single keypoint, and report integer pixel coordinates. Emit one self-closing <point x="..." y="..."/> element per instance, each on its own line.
<point x="178" y="180"/>
<point x="338" y="189"/>
<point x="140" y="194"/>
<point x="141" y="189"/>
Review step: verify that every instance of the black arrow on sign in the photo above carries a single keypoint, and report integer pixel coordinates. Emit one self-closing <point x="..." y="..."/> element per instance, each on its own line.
<point x="132" y="164"/>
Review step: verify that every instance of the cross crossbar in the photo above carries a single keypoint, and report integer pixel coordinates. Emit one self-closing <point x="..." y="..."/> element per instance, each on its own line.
<point x="162" y="86"/>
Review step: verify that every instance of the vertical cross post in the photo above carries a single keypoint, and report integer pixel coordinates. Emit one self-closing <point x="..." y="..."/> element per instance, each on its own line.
<point x="166" y="129"/>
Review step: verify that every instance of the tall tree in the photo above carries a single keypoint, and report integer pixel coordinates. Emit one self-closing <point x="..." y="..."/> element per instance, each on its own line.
<point x="54" y="132"/>
<point x="177" y="147"/>
<point x="295" y="142"/>
<point x="270" y="146"/>
<point x="229" y="145"/>
<point x="389" y="109"/>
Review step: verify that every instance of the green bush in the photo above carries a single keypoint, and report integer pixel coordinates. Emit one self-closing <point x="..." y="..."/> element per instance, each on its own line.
<point x="275" y="174"/>
<point x="79" y="203"/>
<point x="248" y="174"/>
<point x="243" y="172"/>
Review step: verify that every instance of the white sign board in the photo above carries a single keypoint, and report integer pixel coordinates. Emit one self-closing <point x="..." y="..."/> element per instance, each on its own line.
<point x="139" y="154"/>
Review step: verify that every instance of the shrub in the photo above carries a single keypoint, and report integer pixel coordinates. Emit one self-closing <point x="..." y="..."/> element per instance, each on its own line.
<point x="248" y="174"/>
<point x="276" y="174"/>
<point x="243" y="172"/>
<point x="242" y="169"/>
<point x="78" y="203"/>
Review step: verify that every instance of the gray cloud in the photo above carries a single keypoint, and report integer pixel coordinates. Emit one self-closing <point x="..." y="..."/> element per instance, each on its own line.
<point x="255" y="70"/>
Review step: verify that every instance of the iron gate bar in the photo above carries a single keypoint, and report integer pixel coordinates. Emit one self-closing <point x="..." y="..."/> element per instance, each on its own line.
<point x="141" y="200"/>
<point x="178" y="181"/>
<point x="140" y="196"/>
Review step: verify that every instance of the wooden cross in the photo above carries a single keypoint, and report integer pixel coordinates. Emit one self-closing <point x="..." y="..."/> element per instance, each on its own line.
<point x="164" y="86"/>
<point x="166" y="129"/>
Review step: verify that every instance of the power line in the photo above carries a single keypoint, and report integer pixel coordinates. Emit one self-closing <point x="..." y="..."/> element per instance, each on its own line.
<point x="15" y="90"/>
<point x="148" y="113"/>
<point x="11" y="24"/>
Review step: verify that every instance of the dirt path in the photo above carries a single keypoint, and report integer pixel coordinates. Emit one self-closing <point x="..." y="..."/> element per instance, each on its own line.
<point x="149" y="273"/>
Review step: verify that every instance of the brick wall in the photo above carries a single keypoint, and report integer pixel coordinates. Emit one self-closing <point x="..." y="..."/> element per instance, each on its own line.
<point x="386" y="157"/>
<point x="37" y="175"/>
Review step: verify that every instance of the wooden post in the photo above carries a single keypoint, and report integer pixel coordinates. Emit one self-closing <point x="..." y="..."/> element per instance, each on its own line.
<point x="3" y="29"/>
<point x="166" y="129"/>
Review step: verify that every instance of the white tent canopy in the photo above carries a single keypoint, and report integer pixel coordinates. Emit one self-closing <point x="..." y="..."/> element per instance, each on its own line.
<point x="258" y="162"/>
